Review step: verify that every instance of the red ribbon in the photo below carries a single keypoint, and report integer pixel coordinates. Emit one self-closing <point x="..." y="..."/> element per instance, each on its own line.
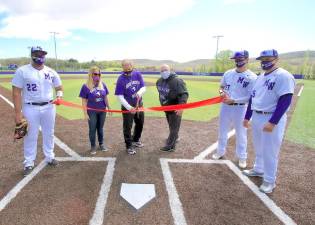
<point x="191" y="105"/>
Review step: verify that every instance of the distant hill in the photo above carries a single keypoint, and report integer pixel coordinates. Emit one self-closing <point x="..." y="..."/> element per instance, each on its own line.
<point x="295" y="62"/>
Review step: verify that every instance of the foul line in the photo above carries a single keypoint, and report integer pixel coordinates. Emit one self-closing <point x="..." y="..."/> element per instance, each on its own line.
<point x="300" y="92"/>
<point x="212" y="147"/>
<point x="57" y="141"/>
<point x="271" y="205"/>
<point x="176" y="206"/>
<point x="14" y="191"/>
<point x="66" y="148"/>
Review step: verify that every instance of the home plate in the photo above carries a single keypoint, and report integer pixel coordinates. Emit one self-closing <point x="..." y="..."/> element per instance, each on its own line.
<point x="137" y="195"/>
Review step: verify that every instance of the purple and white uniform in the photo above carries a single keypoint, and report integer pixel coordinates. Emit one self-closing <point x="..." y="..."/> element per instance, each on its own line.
<point x="37" y="87"/>
<point x="238" y="86"/>
<point x="266" y="93"/>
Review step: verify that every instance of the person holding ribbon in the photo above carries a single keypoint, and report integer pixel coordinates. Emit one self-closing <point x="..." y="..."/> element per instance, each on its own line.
<point x="172" y="91"/>
<point x="129" y="90"/>
<point x="235" y="89"/>
<point x="94" y="99"/>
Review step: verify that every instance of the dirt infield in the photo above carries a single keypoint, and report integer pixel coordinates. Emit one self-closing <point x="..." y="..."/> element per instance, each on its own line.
<point x="209" y="193"/>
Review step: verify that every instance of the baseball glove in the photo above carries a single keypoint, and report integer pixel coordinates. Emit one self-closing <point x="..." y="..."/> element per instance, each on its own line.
<point x="20" y="129"/>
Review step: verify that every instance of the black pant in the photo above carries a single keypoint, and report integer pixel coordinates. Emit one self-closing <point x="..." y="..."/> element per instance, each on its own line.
<point x="128" y="119"/>
<point x="96" y="124"/>
<point x="173" y="121"/>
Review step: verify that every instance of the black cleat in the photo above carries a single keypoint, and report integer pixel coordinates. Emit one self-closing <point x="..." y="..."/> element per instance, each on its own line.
<point x="53" y="163"/>
<point x="28" y="170"/>
<point x="167" y="149"/>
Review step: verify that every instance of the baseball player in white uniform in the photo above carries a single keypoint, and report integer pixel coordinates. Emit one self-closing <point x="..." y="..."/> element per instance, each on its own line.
<point x="33" y="86"/>
<point x="270" y="100"/>
<point x="236" y="87"/>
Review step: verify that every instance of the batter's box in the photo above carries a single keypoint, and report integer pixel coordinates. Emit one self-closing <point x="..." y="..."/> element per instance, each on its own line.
<point x="75" y="192"/>
<point x="216" y="192"/>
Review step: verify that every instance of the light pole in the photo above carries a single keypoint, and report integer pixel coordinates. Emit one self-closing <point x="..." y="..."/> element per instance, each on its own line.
<point x="54" y="35"/>
<point x="29" y="51"/>
<point x="216" y="53"/>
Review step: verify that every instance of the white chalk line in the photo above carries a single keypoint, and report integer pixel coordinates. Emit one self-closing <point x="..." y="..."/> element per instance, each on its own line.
<point x="17" y="188"/>
<point x="99" y="211"/>
<point x="177" y="210"/>
<point x="98" y="216"/>
<point x="300" y="91"/>
<point x="57" y="141"/>
<point x="173" y="198"/>
<point x="66" y="148"/>
<point x="176" y="206"/>
<point x="271" y="205"/>
<point x="212" y="147"/>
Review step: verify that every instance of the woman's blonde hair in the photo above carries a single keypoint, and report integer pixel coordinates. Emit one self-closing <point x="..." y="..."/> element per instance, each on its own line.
<point x="90" y="83"/>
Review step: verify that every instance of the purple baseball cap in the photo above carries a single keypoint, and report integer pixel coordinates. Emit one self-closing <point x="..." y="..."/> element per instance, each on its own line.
<point x="240" y="54"/>
<point x="268" y="53"/>
<point x="38" y="49"/>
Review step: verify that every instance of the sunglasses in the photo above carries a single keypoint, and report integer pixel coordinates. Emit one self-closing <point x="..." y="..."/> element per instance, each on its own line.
<point x="96" y="74"/>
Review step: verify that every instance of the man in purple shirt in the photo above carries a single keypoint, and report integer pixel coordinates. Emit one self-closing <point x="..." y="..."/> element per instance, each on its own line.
<point x="129" y="90"/>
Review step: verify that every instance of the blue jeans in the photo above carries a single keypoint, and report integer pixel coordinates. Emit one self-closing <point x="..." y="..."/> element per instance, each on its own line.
<point x="96" y="124"/>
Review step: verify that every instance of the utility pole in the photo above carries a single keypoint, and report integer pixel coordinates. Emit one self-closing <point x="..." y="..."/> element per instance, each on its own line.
<point x="29" y="51"/>
<point x="54" y="35"/>
<point x="216" y="53"/>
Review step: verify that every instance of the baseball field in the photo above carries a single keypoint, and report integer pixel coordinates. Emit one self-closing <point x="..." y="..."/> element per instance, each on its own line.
<point x="190" y="187"/>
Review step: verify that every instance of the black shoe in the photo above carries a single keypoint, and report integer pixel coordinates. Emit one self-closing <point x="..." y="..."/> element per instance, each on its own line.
<point x="53" y="163"/>
<point x="131" y="151"/>
<point x="28" y="170"/>
<point x="103" y="148"/>
<point x="167" y="149"/>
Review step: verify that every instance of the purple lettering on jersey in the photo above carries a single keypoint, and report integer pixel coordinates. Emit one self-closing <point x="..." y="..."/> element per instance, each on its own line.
<point x="31" y="87"/>
<point x="47" y="77"/>
<point x="269" y="84"/>
<point x="240" y="80"/>
<point x="245" y="84"/>
<point x="227" y="87"/>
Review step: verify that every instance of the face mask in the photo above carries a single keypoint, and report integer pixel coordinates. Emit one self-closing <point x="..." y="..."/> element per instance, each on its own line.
<point x="266" y="65"/>
<point x="165" y="74"/>
<point x="239" y="64"/>
<point x="39" y="60"/>
<point x="96" y="80"/>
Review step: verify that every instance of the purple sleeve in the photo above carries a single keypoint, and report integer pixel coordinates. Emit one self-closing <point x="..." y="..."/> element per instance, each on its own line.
<point x="282" y="106"/>
<point x="105" y="89"/>
<point x="119" y="87"/>
<point x="83" y="92"/>
<point x="249" y="111"/>
<point x="141" y="80"/>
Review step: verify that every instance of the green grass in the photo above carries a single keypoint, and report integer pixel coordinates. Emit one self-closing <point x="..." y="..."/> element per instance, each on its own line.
<point x="302" y="127"/>
<point x="198" y="90"/>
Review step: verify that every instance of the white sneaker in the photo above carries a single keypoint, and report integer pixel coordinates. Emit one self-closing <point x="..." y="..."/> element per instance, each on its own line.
<point x="267" y="187"/>
<point x="216" y="156"/>
<point x="242" y="163"/>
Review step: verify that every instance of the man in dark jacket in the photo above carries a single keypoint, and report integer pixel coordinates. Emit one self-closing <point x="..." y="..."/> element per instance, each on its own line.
<point x="172" y="91"/>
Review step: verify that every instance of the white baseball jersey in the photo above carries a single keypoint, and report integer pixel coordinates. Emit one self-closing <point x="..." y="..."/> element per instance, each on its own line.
<point x="268" y="88"/>
<point x="37" y="85"/>
<point x="238" y="85"/>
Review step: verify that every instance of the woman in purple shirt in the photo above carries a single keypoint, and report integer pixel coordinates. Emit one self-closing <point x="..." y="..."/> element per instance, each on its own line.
<point x="94" y="95"/>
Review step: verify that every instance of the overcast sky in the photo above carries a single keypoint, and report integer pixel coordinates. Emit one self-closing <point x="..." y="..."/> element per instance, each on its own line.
<point x="179" y="30"/>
